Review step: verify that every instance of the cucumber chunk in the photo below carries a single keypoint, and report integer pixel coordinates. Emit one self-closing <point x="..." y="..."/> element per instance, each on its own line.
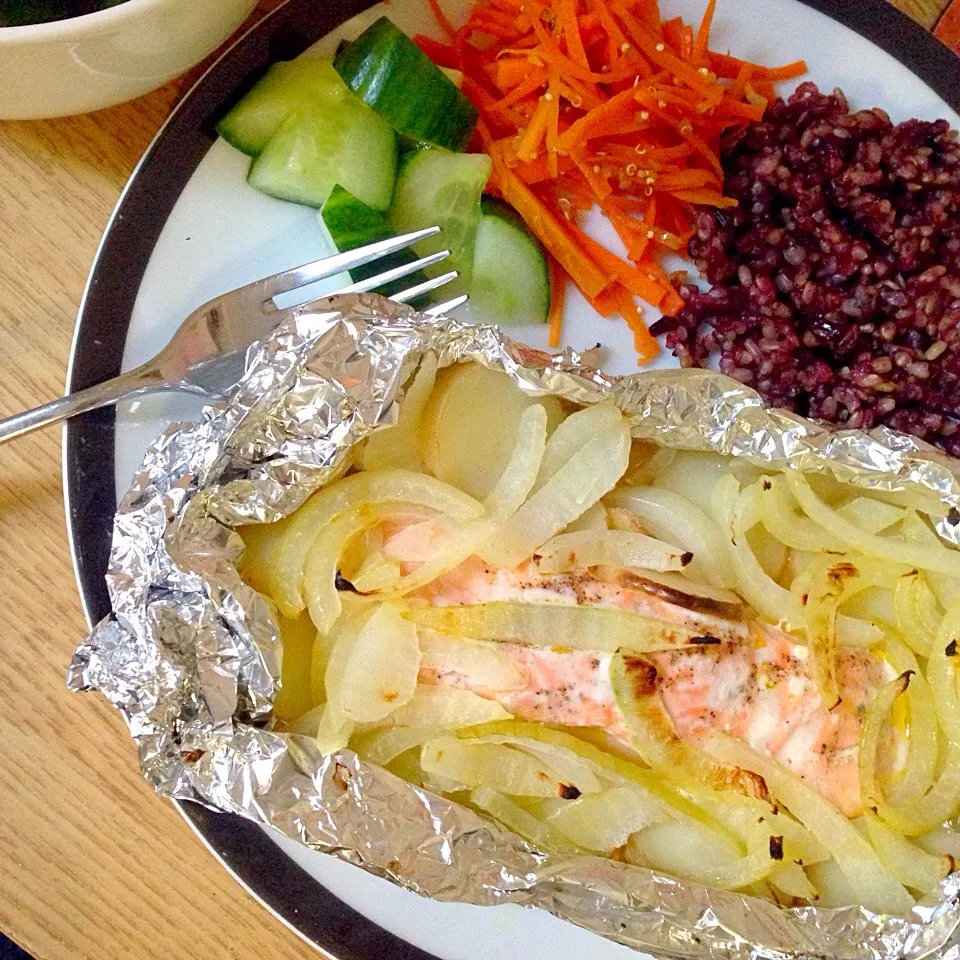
<point x="387" y="70"/>
<point x="284" y="88"/>
<point x="323" y="143"/>
<point x="438" y="188"/>
<point x="510" y="282"/>
<point x="353" y="224"/>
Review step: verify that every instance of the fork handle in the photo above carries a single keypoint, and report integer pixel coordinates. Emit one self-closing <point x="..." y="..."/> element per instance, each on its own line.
<point x="100" y="395"/>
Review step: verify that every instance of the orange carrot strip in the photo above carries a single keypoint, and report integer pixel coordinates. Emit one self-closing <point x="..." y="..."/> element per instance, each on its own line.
<point x="708" y="198"/>
<point x="536" y="131"/>
<point x="643" y="341"/>
<point x="621" y="271"/>
<point x="523" y="89"/>
<point x="592" y="173"/>
<point x="702" y="41"/>
<point x="552" y="234"/>
<point x="558" y="292"/>
<point x="615" y="37"/>
<point x="686" y="43"/>
<point x="441" y="18"/>
<point x="723" y="65"/>
<point x="735" y="108"/>
<point x="567" y="17"/>
<point x="685" y="129"/>
<point x="491" y="28"/>
<point x="553" y="125"/>
<point x="740" y="83"/>
<point x="551" y="52"/>
<point x="686" y="179"/>
<point x="673" y="33"/>
<point x="601" y="121"/>
<point x="509" y="72"/>
<point x="603" y="303"/>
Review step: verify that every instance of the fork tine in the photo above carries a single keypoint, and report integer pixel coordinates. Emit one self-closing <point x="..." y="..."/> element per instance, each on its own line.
<point x="397" y="273"/>
<point x="446" y="307"/>
<point x="405" y="296"/>
<point x="338" y="263"/>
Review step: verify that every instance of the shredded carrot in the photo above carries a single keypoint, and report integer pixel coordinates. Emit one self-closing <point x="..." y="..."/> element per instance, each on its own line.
<point x="603" y="103"/>
<point x="702" y="40"/>
<point x="558" y="294"/>
<point x="445" y="25"/>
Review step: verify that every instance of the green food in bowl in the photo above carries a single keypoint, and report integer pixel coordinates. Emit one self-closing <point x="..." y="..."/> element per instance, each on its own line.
<point x="19" y="13"/>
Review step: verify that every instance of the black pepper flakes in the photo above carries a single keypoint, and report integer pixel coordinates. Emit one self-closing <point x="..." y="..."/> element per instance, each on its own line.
<point x="951" y="648"/>
<point x="776" y="848"/>
<point x="568" y="791"/>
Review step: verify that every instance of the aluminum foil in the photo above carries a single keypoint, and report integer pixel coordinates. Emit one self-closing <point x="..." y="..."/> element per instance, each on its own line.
<point x="191" y="655"/>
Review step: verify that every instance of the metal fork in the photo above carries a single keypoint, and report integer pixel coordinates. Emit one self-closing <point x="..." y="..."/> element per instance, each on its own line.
<point x="206" y="354"/>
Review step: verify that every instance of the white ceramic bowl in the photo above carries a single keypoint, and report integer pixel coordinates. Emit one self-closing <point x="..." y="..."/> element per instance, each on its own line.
<point x="85" y="63"/>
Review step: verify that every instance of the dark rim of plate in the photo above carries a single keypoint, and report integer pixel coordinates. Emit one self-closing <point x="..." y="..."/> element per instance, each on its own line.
<point x="98" y="351"/>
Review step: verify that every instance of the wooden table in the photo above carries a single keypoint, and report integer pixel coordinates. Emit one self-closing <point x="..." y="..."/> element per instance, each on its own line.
<point x="129" y="881"/>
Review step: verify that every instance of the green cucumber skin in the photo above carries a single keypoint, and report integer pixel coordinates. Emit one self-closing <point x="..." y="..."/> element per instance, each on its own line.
<point x="438" y="188"/>
<point x="353" y="224"/>
<point x="386" y="69"/>
<point x="510" y="283"/>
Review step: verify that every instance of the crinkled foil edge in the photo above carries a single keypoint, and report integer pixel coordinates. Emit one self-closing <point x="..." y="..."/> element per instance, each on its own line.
<point x="191" y="655"/>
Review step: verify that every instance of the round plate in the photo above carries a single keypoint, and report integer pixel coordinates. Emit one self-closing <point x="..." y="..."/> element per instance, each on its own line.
<point x="188" y="227"/>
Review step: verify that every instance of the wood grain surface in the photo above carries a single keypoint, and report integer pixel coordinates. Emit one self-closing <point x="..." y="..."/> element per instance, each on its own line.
<point x="92" y="864"/>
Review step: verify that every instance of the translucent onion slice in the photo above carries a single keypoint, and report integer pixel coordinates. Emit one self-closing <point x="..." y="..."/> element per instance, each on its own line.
<point x="399" y="445"/>
<point x="940" y="560"/>
<point x="674" y="519"/>
<point x="575" y="487"/>
<point x="946" y="587"/>
<point x="615" y="770"/>
<point x="942" y="674"/>
<point x="482" y="662"/>
<point x="445" y="708"/>
<point x="873" y="885"/>
<point x="573" y="435"/>
<point x="385" y="745"/>
<point x="833" y="887"/>
<point x="335" y="728"/>
<point x="376" y="487"/>
<point x="932" y="810"/>
<point x="778" y="513"/>
<point x="500" y="767"/>
<point x="703" y="855"/>
<point x="520" y="473"/>
<point x="917" y="612"/>
<point x="855" y="632"/>
<point x="602" y="821"/>
<point x="521" y="822"/>
<point x="616" y="548"/>
<point x="871" y="516"/>
<point x="381" y="668"/>
<point x="917" y="776"/>
<point x="680" y="589"/>
<point x="377" y="572"/>
<point x="942" y="841"/>
<point x="555" y="625"/>
<point x="323" y="562"/>
<point x="873" y="728"/>
<point x="790" y="879"/>
<point x="911" y="865"/>
<point x="593" y="519"/>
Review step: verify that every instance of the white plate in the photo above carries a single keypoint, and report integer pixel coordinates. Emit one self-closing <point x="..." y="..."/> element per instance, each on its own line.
<point x="221" y="233"/>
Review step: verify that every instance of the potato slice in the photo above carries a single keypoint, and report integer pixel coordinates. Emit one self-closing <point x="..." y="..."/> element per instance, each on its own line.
<point x="469" y="427"/>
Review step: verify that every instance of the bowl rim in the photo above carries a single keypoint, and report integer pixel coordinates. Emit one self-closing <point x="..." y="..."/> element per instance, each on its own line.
<point x="84" y="25"/>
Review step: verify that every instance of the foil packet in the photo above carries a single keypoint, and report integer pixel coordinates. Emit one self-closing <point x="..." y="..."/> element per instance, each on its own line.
<point x="191" y="655"/>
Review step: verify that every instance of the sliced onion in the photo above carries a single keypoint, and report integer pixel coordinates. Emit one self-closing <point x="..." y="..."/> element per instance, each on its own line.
<point x="941" y="560"/>
<point x="593" y="519"/>
<point x="377" y="572"/>
<point x="386" y="744"/>
<point x="912" y="866"/>
<point x="482" y="662"/>
<point x="617" y="548"/>
<point x="917" y="612"/>
<point x="520" y="473"/>
<point x="380" y="672"/>
<point x="942" y="841"/>
<point x="674" y="519"/>
<point x="917" y="776"/>
<point x="554" y="625"/>
<point x="573" y="435"/>
<point x="575" y="487"/>
<point x="779" y="516"/>
<point x="873" y="885"/>
<point x="946" y="587"/>
<point x="790" y="879"/>
<point x="445" y="708"/>
<point x="500" y="767"/>
<point x="873" y="729"/>
<point x="524" y="824"/>
<point x="323" y="563"/>
<point x="377" y="487"/>
<point x="870" y="515"/>
<point x="601" y="821"/>
<point x="854" y="632"/>
<point x="679" y="589"/>
<point x="399" y="445"/>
